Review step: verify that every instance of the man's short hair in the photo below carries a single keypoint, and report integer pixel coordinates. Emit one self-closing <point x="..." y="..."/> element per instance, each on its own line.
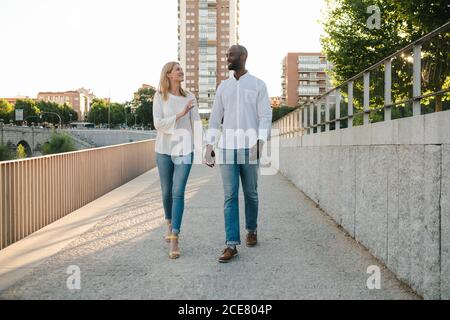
<point x="242" y="50"/>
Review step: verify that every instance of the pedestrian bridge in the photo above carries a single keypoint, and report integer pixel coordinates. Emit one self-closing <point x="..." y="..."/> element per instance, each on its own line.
<point x="353" y="210"/>
<point x="117" y="244"/>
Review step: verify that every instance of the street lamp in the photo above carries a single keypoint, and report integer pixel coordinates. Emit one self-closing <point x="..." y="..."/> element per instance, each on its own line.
<point x="47" y="112"/>
<point x="25" y="120"/>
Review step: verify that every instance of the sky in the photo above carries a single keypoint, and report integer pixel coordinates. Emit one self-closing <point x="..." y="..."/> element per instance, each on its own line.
<point x="114" y="46"/>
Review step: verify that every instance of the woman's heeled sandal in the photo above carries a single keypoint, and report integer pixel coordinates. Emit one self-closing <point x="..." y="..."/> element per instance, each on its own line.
<point x="173" y="254"/>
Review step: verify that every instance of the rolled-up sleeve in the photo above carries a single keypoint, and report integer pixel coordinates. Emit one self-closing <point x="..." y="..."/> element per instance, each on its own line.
<point x="264" y="113"/>
<point x="162" y="124"/>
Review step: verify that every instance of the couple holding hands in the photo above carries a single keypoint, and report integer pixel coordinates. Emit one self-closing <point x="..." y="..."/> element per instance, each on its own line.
<point x="241" y="116"/>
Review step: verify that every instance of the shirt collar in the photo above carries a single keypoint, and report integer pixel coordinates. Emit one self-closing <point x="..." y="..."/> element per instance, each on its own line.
<point x="244" y="76"/>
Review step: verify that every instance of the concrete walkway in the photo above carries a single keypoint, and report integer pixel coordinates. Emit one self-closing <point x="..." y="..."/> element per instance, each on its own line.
<point x="301" y="254"/>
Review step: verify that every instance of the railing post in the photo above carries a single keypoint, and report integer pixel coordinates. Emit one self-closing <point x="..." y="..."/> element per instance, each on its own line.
<point x="387" y="90"/>
<point x="338" y="109"/>
<point x="417" y="70"/>
<point x="285" y="125"/>
<point x="288" y="126"/>
<point x="350" y="104"/>
<point x="293" y="124"/>
<point x="311" y="112"/>
<point x="305" y="119"/>
<point x="327" y="114"/>
<point x="299" y="121"/>
<point x="291" y="131"/>
<point x="366" y="97"/>
<point x="319" y="117"/>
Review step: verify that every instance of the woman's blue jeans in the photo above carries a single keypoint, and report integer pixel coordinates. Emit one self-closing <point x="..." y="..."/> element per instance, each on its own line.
<point x="236" y="164"/>
<point x="173" y="174"/>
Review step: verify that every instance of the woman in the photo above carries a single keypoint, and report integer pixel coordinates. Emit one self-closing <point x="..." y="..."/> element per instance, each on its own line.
<point x="174" y="115"/>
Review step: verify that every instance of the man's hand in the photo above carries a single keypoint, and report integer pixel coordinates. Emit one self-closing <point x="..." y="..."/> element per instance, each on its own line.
<point x="210" y="156"/>
<point x="256" y="151"/>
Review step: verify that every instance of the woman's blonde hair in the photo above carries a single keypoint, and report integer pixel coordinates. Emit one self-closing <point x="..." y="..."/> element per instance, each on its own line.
<point x="164" y="83"/>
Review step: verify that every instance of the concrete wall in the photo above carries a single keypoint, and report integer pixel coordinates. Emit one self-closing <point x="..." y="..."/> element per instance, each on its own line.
<point x="103" y="138"/>
<point x="34" y="137"/>
<point x="388" y="186"/>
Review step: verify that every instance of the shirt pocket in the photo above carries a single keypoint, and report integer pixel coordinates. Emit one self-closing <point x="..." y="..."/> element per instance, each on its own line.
<point x="250" y="96"/>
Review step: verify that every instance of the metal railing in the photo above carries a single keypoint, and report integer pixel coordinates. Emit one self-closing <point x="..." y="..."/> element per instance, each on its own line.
<point x="327" y="111"/>
<point x="38" y="191"/>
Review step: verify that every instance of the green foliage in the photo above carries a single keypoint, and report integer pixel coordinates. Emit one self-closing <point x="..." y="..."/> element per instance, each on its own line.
<point x="20" y="152"/>
<point x="103" y="112"/>
<point x="143" y="102"/>
<point x="117" y="113"/>
<point x="29" y="108"/>
<point x="99" y="112"/>
<point x="6" y="111"/>
<point x="59" y="143"/>
<point x="64" y="111"/>
<point x="352" y="47"/>
<point x="278" y="113"/>
<point x="5" y="153"/>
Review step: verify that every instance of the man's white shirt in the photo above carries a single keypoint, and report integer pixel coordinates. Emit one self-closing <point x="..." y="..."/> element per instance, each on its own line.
<point x="244" y="106"/>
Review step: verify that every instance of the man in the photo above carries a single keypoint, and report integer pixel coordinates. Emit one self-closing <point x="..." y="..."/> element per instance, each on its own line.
<point x="242" y="104"/>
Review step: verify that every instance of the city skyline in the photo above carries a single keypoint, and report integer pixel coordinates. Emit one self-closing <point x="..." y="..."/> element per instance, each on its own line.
<point x="103" y="46"/>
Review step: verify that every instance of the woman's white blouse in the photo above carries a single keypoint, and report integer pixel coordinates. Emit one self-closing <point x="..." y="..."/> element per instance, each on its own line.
<point x="175" y="138"/>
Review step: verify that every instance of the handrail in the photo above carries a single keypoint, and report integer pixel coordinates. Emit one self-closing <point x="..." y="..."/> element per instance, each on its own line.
<point x="299" y="117"/>
<point x="376" y="65"/>
<point x="35" y="192"/>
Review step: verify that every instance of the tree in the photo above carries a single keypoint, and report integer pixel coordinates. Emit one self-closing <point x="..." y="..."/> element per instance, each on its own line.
<point x="117" y="113"/>
<point x="143" y="102"/>
<point x="59" y="143"/>
<point x="64" y="111"/>
<point x="5" y="153"/>
<point x="99" y="112"/>
<point x="6" y="111"/>
<point x="352" y="47"/>
<point x="29" y="107"/>
<point x="129" y="116"/>
<point x="20" y="152"/>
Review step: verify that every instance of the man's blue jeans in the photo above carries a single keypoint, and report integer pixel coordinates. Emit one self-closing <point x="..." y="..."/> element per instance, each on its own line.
<point x="173" y="175"/>
<point x="236" y="164"/>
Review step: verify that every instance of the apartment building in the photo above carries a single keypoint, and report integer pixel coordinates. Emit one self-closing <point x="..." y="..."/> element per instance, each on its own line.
<point x="303" y="77"/>
<point x="80" y="100"/>
<point x="206" y="29"/>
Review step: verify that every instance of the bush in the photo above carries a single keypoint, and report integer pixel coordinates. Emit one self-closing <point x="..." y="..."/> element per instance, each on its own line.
<point x="280" y="112"/>
<point x="59" y="143"/>
<point x="5" y="153"/>
<point x="20" y="152"/>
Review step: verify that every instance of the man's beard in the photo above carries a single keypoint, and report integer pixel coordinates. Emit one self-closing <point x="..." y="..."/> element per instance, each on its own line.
<point x="234" y="66"/>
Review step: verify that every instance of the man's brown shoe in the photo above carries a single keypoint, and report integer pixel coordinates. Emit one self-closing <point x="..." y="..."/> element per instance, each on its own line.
<point x="228" y="254"/>
<point x="252" y="239"/>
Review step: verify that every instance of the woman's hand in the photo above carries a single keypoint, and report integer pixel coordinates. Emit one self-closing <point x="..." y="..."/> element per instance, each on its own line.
<point x="186" y="109"/>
